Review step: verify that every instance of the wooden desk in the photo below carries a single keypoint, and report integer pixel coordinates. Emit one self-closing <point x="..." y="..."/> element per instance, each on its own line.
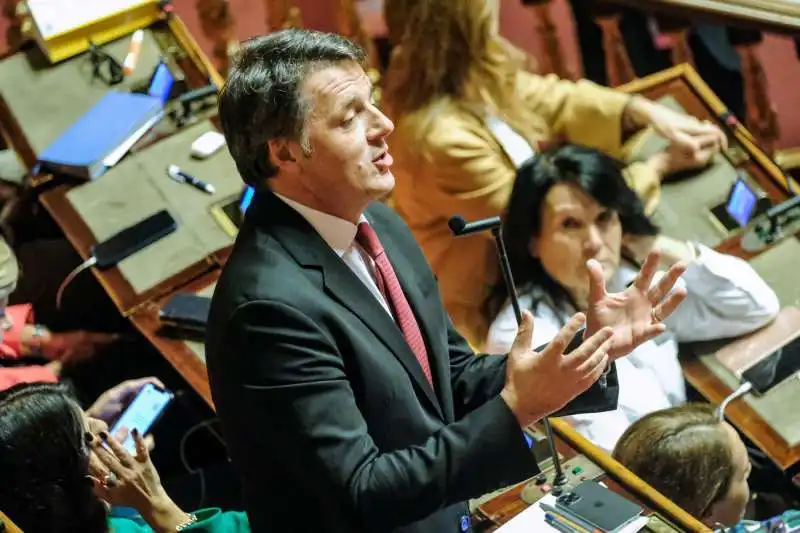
<point x="619" y="479"/>
<point x="174" y="350"/>
<point x="683" y="83"/>
<point x="198" y="71"/>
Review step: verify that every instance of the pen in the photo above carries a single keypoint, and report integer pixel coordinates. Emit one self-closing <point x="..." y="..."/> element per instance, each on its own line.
<point x="133" y="52"/>
<point x="178" y="175"/>
<point x="555" y="524"/>
<point x="573" y="526"/>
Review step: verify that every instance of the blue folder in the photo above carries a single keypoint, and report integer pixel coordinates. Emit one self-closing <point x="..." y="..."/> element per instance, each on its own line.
<point x="81" y="149"/>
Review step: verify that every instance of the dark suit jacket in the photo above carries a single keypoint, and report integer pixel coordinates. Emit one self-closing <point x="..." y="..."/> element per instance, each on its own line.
<point x="328" y="416"/>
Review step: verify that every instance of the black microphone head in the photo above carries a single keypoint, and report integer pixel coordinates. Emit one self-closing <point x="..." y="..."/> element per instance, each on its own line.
<point x="457" y="224"/>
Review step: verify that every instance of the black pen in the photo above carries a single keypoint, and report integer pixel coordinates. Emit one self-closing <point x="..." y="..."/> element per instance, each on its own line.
<point x="178" y="175"/>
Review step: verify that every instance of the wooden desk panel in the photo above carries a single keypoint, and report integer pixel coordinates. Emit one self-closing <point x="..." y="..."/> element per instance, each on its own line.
<point x="684" y="84"/>
<point x="744" y="417"/>
<point x="170" y="33"/>
<point x="771" y="15"/>
<point x="180" y="356"/>
<point x="618" y="478"/>
<point x="118" y="288"/>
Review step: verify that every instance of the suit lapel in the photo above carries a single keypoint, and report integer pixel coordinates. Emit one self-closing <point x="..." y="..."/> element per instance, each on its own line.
<point x="311" y="251"/>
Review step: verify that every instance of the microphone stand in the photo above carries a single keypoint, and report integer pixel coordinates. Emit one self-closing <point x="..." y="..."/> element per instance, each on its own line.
<point x="459" y="227"/>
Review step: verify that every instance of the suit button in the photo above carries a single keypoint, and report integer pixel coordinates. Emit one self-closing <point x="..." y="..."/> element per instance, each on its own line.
<point x="465" y="523"/>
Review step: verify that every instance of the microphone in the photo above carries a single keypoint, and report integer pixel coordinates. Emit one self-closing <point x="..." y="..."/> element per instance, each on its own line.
<point x="460" y="227"/>
<point x="776" y="224"/>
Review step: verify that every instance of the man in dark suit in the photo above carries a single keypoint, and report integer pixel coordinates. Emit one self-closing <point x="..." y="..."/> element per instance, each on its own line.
<point x="348" y="400"/>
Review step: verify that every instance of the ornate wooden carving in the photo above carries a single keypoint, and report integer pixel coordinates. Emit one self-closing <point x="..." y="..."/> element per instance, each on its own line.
<point x="21" y="30"/>
<point x="217" y="23"/>
<point x="553" y="57"/>
<point x="282" y="14"/>
<point x="762" y="118"/>
<point x="350" y="26"/>
<point x="676" y="32"/>
<point x="618" y="64"/>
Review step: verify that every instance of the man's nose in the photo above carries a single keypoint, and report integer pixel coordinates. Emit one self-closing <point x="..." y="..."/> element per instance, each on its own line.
<point x="382" y="125"/>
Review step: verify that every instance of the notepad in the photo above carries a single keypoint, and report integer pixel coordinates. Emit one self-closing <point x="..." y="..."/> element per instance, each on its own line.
<point x="80" y="150"/>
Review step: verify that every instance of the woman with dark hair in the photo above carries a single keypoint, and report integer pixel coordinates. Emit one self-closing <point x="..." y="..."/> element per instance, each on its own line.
<point x="571" y="205"/>
<point x="54" y="471"/>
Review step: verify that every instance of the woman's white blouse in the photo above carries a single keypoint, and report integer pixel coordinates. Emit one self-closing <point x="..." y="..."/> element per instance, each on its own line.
<point x="726" y="298"/>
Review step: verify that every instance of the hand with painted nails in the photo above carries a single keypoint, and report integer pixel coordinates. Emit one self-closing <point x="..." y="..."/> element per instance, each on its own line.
<point x="120" y="478"/>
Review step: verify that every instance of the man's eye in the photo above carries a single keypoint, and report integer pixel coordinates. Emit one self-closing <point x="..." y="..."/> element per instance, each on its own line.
<point x="571" y="223"/>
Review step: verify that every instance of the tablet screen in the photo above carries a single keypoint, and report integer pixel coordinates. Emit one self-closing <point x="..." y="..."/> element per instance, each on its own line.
<point x="247" y="197"/>
<point x="161" y="83"/>
<point x="741" y="203"/>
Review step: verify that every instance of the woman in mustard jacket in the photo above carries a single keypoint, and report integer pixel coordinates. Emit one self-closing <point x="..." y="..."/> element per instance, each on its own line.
<point x="468" y="114"/>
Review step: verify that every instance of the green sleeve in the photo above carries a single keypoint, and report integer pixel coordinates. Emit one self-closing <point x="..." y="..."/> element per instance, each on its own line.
<point x="208" y="521"/>
<point x="215" y="521"/>
<point x="128" y="525"/>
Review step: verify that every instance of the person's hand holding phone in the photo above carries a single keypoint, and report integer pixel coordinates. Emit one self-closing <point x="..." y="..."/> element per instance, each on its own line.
<point x="110" y="405"/>
<point x="121" y="478"/>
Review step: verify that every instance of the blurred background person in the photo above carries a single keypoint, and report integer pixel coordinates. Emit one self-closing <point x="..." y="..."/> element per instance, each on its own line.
<point x="468" y="114"/>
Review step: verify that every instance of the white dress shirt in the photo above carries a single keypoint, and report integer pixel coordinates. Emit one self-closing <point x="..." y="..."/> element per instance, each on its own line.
<point x="340" y="235"/>
<point x="726" y="298"/>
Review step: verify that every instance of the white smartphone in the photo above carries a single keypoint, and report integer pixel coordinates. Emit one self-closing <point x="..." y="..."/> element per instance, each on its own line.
<point x="141" y="414"/>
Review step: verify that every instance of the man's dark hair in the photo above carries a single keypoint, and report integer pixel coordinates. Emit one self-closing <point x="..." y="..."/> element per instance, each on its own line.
<point x="261" y="98"/>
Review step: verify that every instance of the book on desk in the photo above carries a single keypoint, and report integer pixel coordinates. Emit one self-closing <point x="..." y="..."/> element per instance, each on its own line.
<point x="81" y="150"/>
<point x="64" y="28"/>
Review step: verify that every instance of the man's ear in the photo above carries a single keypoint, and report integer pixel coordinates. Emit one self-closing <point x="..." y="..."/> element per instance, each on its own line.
<point x="282" y="156"/>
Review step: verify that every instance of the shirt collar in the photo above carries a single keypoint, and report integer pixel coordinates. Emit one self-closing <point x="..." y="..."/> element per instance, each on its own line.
<point x="338" y="233"/>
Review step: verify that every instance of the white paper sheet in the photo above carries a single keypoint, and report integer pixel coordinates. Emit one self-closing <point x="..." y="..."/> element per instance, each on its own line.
<point x="530" y="520"/>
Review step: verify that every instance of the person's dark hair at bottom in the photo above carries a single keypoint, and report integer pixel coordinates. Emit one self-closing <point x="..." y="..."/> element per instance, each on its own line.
<point x="44" y="462"/>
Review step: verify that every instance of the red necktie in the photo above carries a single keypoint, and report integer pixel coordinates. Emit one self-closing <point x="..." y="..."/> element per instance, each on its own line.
<point x="389" y="285"/>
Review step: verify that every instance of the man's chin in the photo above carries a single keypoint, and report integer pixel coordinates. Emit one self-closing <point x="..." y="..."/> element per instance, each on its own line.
<point x="382" y="186"/>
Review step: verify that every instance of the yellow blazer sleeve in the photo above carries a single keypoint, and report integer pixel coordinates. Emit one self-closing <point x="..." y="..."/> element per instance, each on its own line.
<point x="469" y="167"/>
<point x="582" y="112"/>
<point x="646" y="183"/>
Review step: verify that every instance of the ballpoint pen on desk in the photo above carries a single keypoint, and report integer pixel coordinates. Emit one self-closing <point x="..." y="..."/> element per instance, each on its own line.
<point x="178" y="175"/>
<point x="569" y="524"/>
<point x="551" y="521"/>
